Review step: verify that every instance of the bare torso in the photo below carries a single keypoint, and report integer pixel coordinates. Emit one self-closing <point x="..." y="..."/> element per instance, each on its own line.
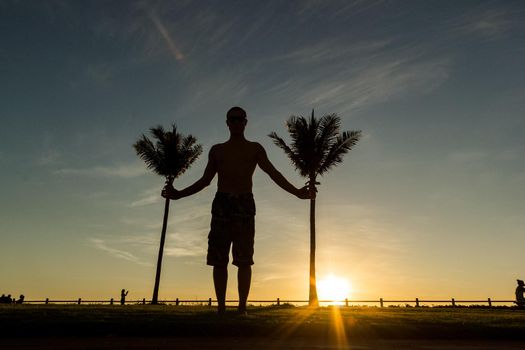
<point x="235" y="162"/>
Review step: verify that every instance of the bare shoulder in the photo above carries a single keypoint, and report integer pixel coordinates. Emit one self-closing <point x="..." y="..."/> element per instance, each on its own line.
<point x="216" y="148"/>
<point x="259" y="151"/>
<point x="215" y="151"/>
<point x="257" y="147"/>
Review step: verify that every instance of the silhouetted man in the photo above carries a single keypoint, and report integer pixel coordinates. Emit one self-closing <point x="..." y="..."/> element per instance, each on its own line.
<point x="233" y="208"/>
<point x="520" y="290"/>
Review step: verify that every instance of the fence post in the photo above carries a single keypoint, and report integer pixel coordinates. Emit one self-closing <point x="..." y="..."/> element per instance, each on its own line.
<point x="47" y="301"/>
<point x="177" y="302"/>
<point x="79" y="301"/>
<point x="381" y="302"/>
<point x="346" y="301"/>
<point x="111" y="301"/>
<point x="143" y="301"/>
<point x="490" y="302"/>
<point x="453" y="302"/>
<point x="417" y="302"/>
<point x="209" y="302"/>
<point x="278" y="301"/>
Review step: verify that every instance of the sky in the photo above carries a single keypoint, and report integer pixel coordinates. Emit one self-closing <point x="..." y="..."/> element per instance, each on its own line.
<point x="428" y="204"/>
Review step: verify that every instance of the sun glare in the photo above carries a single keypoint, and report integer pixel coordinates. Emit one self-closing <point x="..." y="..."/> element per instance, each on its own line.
<point x="333" y="288"/>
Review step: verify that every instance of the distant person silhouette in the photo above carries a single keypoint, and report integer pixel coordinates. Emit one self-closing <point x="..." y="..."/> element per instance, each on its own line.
<point x="233" y="208"/>
<point x="520" y="291"/>
<point x="20" y="299"/>
<point x="3" y="299"/>
<point x="123" y="294"/>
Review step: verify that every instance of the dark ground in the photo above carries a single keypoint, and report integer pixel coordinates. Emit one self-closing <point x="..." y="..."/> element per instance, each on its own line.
<point x="198" y="327"/>
<point x="257" y="343"/>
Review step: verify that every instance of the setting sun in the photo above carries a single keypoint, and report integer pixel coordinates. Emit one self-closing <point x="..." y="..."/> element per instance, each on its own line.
<point x="333" y="288"/>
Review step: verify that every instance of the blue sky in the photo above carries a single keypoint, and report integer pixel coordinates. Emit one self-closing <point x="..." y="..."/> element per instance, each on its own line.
<point x="428" y="204"/>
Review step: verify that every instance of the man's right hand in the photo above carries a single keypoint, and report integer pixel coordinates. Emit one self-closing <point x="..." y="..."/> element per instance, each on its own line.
<point x="169" y="192"/>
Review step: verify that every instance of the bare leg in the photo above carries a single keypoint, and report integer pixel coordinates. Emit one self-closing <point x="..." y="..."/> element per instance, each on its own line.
<point x="220" y="280"/>
<point x="244" y="278"/>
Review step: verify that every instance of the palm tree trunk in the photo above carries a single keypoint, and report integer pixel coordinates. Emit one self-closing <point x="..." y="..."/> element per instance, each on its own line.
<point x="312" y="295"/>
<point x="154" y="299"/>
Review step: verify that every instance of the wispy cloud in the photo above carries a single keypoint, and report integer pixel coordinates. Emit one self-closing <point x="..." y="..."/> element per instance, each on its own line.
<point x="49" y="157"/>
<point x="329" y="50"/>
<point x="148" y="197"/>
<point x="152" y="27"/>
<point x="490" y="24"/>
<point x="142" y="223"/>
<point x="378" y="81"/>
<point x="213" y="88"/>
<point x="187" y="230"/>
<point x="139" y="248"/>
<point x="341" y="8"/>
<point x="166" y="36"/>
<point x="185" y="251"/>
<point x="272" y="273"/>
<point x="123" y="170"/>
<point x="186" y="244"/>
<point x="484" y="157"/>
<point x="116" y="253"/>
<point x="346" y="76"/>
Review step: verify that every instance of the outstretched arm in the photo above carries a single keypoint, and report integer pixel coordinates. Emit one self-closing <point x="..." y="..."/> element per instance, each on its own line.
<point x="265" y="164"/>
<point x="204" y="181"/>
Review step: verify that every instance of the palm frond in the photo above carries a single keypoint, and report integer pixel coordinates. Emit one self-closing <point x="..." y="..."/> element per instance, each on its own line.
<point x="294" y="158"/>
<point x="158" y="133"/>
<point x="172" y="153"/>
<point x="302" y="134"/>
<point x="189" y="152"/>
<point x="328" y="130"/>
<point x="297" y="128"/>
<point x="316" y="145"/>
<point x="147" y="152"/>
<point x="340" y="147"/>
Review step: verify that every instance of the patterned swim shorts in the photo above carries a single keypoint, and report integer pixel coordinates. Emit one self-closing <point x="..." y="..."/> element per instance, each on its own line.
<point x="232" y="222"/>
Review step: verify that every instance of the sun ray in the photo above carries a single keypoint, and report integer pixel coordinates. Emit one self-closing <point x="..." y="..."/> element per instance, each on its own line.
<point x="301" y="316"/>
<point x="339" y="328"/>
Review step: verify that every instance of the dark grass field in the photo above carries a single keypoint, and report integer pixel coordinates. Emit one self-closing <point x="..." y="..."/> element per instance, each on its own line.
<point x="202" y="321"/>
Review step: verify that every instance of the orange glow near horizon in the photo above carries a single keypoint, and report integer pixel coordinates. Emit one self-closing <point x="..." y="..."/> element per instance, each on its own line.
<point x="333" y="288"/>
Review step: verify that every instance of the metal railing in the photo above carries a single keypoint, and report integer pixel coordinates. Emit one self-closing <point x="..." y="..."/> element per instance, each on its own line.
<point x="417" y="302"/>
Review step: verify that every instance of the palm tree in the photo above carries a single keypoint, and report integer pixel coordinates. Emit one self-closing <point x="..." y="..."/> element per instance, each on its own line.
<point x="170" y="156"/>
<point x="316" y="147"/>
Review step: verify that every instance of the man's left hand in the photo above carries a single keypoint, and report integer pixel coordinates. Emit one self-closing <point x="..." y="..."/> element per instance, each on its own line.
<point x="307" y="193"/>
